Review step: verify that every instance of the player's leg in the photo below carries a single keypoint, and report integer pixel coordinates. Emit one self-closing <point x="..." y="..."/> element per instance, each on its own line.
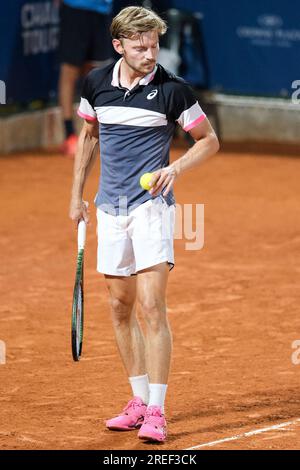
<point x="129" y="337"/>
<point x="130" y="342"/>
<point x="116" y="262"/>
<point x="151" y="296"/>
<point x="152" y="236"/>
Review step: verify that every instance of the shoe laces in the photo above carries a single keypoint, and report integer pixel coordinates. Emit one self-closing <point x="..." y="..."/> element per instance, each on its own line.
<point x="152" y="413"/>
<point x="132" y="404"/>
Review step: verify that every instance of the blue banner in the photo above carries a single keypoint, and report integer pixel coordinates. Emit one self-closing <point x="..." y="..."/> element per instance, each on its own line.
<point x="242" y="47"/>
<point x="250" y="47"/>
<point x="29" y="36"/>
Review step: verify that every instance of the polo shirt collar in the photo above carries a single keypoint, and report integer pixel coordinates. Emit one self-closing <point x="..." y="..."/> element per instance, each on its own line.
<point x="144" y="81"/>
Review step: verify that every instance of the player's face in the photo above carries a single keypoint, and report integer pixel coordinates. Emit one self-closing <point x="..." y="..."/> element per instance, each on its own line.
<point x="141" y="53"/>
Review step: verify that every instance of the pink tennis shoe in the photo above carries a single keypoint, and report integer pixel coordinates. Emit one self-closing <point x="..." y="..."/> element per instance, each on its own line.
<point x="132" y="416"/>
<point x="154" y="427"/>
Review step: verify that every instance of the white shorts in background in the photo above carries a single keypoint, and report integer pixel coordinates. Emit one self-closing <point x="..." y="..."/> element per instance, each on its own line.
<point x="130" y="243"/>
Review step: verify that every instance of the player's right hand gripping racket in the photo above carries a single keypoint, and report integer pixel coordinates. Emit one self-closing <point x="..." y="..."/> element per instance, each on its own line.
<point x="78" y="300"/>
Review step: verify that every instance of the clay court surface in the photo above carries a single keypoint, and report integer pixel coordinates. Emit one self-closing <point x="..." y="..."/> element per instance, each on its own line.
<point x="234" y="307"/>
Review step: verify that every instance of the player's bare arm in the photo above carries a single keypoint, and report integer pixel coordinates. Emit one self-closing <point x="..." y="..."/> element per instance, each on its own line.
<point x="87" y="152"/>
<point x="206" y="145"/>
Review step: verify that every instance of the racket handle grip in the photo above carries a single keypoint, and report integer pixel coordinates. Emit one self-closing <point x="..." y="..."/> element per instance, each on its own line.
<point x="81" y="234"/>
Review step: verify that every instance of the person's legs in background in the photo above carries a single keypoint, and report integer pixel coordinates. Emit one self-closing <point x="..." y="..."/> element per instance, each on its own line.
<point x="73" y="49"/>
<point x="69" y="75"/>
<point x="84" y="44"/>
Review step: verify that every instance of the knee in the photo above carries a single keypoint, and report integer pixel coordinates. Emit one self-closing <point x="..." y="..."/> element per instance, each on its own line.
<point x="154" y="313"/>
<point x="121" y="308"/>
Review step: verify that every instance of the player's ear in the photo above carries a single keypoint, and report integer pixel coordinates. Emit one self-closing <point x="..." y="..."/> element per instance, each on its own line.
<point x="118" y="46"/>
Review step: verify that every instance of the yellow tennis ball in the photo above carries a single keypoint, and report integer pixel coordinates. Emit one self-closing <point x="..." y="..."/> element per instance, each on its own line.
<point x="145" y="180"/>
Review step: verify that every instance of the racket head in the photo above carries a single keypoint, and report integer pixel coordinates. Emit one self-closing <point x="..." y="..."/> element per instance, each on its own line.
<point x="78" y="310"/>
<point x="78" y="296"/>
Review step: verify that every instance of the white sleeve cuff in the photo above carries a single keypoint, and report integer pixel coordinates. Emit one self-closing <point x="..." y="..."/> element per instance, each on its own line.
<point x="191" y="117"/>
<point x="86" y="111"/>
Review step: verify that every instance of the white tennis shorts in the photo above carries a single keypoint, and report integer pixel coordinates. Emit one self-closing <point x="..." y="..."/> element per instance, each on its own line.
<point x="130" y="243"/>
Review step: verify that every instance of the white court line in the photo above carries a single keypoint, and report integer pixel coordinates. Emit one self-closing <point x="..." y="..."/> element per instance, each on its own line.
<point x="246" y="434"/>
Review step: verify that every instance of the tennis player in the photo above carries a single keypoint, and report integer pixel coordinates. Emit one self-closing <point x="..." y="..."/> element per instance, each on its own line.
<point x="136" y="103"/>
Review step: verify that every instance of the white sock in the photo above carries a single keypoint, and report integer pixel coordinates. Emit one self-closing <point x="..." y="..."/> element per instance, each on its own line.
<point x="158" y="395"/>
<point x="140" y="387"/>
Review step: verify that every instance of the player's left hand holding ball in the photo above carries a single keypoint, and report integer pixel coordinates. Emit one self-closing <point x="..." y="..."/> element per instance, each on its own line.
<point x="163" y="178"/>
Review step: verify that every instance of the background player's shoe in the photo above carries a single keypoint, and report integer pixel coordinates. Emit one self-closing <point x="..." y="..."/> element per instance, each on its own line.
<point x="154" y="427"/>
<point x="132" y="416"/>
<point x="69" y="146"/>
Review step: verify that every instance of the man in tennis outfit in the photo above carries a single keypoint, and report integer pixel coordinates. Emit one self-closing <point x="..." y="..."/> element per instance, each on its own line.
<point x="131" y="108"/>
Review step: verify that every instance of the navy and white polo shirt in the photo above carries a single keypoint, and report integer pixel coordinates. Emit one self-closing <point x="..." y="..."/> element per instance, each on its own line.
<point x="136" y="129"/>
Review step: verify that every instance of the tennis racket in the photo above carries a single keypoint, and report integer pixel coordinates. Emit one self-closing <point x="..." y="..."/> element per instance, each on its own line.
<point x="78" y="298"/>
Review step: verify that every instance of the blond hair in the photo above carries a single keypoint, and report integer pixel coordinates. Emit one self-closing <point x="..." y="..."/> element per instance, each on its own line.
<point x="132" y="21"/>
